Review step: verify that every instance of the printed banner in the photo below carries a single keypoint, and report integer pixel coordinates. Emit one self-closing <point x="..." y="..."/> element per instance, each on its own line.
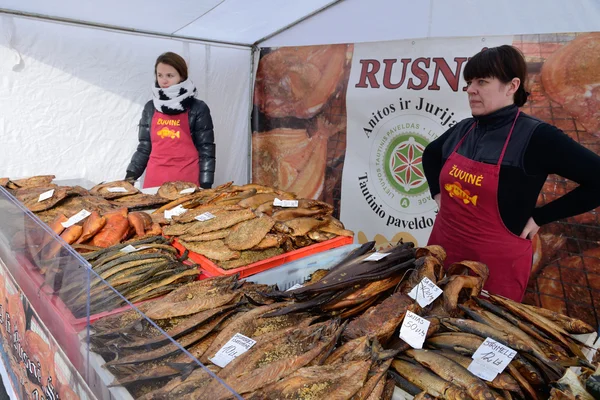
<point x="35" y="363"/>
<point x="348" y="124"/>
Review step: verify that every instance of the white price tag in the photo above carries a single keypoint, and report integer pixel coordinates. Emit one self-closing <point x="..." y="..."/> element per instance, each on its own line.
<point x="238" y="344"/>
<point x="188" y="190"/>
<point x="205" y="217"/>
<point x="296" y="286"/>
<point x="46" y="195"/>
<point x="414" y="330"/>
<point x="80" y="216"/>
<point x="425" y="292"/>
<point x="175" y="212"/>
<point x="117" y="189"/>
<point x="376" y="256"/>
<point x="285" y="203"/>
<point x="492" y="356"/>
<point x="128" y="249"/>
<point x="482" y="371"/>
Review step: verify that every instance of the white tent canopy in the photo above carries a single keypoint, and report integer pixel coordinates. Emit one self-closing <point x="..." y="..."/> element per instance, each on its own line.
<point x="74" y="75"/>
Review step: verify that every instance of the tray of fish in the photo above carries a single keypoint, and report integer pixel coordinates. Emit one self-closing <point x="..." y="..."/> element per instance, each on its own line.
<point x="339" y="335"/>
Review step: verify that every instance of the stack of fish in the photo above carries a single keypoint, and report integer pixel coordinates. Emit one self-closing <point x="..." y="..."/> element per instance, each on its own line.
<point x="337" y="337"/>
<point x="139" y="270"/>
<point x="241" y="224"/>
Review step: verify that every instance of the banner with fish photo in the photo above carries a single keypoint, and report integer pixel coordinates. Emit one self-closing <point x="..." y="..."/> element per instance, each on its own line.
<point x="347" y="124"/>
<point x="35" y="363"/>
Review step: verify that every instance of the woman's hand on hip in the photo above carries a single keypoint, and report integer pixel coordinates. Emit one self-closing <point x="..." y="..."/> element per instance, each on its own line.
<point x="531" y="228"/>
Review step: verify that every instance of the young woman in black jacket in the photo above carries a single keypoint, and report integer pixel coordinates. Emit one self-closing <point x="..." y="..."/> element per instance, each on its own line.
<point x="176" y="131"/>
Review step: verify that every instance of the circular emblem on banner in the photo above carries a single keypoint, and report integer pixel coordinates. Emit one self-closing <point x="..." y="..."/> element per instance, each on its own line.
<point x="404" y="164"/>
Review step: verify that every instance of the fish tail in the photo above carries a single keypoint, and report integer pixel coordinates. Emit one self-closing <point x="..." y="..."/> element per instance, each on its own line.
<point x="474" y="200"/>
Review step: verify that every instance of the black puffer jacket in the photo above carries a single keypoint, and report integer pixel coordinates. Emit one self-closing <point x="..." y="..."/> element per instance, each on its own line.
<point x="201" y="127"/>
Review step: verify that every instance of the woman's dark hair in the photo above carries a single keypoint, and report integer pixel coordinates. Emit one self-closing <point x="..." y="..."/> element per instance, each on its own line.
<point x="503" y="62"/>
<point x="175" y="61"/>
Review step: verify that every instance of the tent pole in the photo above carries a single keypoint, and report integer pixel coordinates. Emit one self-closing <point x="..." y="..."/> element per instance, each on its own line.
<point x="119" y="29"/>
<point x="285" y="28"/>
<point x="250" y="112"/>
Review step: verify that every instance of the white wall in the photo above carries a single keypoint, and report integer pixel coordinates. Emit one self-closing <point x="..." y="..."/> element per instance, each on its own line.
<point x="71" y="98"/>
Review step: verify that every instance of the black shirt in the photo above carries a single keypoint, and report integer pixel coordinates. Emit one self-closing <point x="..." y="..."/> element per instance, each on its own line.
<point x="535" y="150"/>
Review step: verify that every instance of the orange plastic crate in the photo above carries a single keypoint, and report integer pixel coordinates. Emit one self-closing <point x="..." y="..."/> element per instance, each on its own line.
<point x="211" y="269"/>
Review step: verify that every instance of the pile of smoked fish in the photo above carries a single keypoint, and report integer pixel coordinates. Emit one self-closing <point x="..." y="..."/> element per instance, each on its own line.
<point x="337" y="337"/>
<point x="245" y="226"/>
<point x="139" y="270"/>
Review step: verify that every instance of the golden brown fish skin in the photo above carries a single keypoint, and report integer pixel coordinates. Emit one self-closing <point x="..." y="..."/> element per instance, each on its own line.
<point x="363" y="294"/>
<point x="255" y="201"/>
<point x="34" y="181"/>
<point x="433" y="250"/>
<point x="171" y="190"/>
<point x="502" y="381"/>
<point x="353" y="350"/>
<point x="245" y="324"/>
<point x="179" y="309"/>
<point x="319" y="382"/>
<point x="92" y="225"/>
<point x="179" y="386"/>
<point x="381" y="321"/>
<point x="377" y="392"/>
<point x="215" y="249"/>
<point x="248" y="257"/>
<point x="222" y="221"/>
<point x="288" y="214"/>
<point x="453" y="372"/>
<point x="220" y="284"/>
<point x="571" y="325"/>
<point x="270" y="240"/>
<point x="140" y="221"/>
<point x="30" y="197"/>
<point x="267" y="362"/>
<point x="301" y="226"/>
<point x="248" y="234"/>
<point x="428" y="381"/>
<point x="319" y="236"/>
<point x="206" y="237"/>
<point x="375" y="375"/>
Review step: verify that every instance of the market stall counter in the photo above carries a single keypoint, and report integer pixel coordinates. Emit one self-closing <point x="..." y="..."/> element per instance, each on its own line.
<point x="47" y="320"/>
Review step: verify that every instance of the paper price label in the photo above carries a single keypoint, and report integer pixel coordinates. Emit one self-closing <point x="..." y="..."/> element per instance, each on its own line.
<point x="205" y="217"/>
<point x="414" y="330"/>
<point x="117" y="189"/>
<point x="493" y="356"/>
<point x="285" y="203"/>
<point x="80" y="216"/>
<point x="238" y="344"/>
<point x="175" y="212"/>
<point x="482" y="371"/>
<point x="46" y="195"/>
<point x="128" y="249"/>
<point x="296" y="286"/>
<point x="188" y="191"/>
<point x="376" y="256"/>
<point x="425" y="292"/>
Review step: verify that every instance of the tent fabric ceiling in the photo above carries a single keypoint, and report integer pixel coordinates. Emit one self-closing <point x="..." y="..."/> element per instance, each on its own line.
<point x="241" y="22"/>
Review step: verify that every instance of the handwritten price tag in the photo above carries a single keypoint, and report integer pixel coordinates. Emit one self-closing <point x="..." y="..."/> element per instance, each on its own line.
<point x="491" y="357"/>
<point x="376" y="256"/>
<point x="117" y="189"/>
<point x="238" y="344"/>
<point x="205" y="217"/>
<point x="285" y="203"/>
<point x="188" y="191"/>
<point x="80" y="216"/>
<point x="46" y="195"/>
<point x="175" y="212"/>
<point x="414" y="330"/>
<point x="425" y="292"/>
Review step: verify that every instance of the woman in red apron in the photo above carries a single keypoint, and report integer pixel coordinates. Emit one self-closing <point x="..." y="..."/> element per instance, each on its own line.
<point x="486" y="173"/>
<point x="176" y="139"/>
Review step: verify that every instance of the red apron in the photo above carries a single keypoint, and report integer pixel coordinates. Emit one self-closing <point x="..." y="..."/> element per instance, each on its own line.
<point x="174" y="156"/>
<point x="469" y="225"/>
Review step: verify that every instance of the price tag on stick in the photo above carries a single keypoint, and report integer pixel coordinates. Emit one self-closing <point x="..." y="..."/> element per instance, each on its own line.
<point x="238" y="344"/>
<point x="491" y="358"/>
<point x="414" y="330"/>
<point x="425" y="292"/>
<point x="80" y="216"/>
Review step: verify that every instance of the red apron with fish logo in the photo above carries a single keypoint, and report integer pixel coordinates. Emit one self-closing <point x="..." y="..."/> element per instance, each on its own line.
<point x="174" y="156"/>
<point x="469" y="225"/>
